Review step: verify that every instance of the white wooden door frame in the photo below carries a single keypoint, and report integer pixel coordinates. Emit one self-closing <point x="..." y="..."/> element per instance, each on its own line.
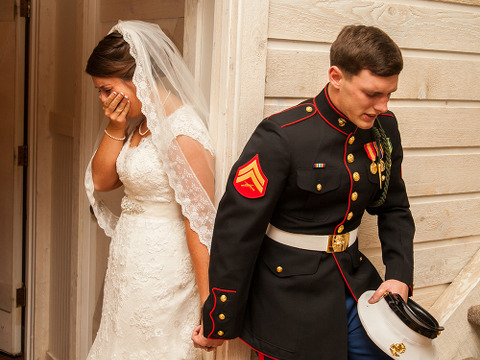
<point x="30" y="251"/>
<point x="87" y="226"/>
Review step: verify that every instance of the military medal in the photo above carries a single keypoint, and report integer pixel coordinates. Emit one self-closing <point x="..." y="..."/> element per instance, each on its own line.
<point x="380" y="177"/>
<point x="372" y="155"/>
<point x="381" y="165"/>
<point x="374" y="150"/>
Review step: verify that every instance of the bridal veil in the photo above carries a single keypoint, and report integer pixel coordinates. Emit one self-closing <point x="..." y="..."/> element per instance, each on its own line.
<point x="160" y="71"/>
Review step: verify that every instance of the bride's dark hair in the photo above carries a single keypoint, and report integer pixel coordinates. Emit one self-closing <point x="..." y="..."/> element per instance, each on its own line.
<point x="111" y="58"/>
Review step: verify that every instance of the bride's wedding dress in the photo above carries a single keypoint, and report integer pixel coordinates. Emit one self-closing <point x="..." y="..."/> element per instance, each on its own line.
<point x="151" y="302"/>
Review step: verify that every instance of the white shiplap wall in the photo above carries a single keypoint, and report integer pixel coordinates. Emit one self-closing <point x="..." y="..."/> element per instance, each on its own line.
<point x="437" y="104"/>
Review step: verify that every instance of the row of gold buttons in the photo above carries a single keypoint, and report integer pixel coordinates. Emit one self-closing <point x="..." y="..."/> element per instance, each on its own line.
<point x="223" y="298"/>
<point x="355" y="175"/>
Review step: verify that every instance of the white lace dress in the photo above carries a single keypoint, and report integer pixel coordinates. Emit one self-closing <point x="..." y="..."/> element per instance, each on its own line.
<point x="151" y="303"/>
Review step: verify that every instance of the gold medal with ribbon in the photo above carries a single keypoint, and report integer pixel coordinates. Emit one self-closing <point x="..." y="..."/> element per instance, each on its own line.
<point x="372" y="155"/>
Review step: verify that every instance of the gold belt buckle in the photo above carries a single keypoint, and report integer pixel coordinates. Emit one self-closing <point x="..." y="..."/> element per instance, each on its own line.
<point x="338" y="243"/>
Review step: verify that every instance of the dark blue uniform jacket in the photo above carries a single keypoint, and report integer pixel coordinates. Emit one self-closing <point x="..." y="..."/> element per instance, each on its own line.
<point x="304" y="170"/>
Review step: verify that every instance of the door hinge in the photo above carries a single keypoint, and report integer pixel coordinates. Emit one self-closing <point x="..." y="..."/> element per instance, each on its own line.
<point x="21" y="297"/>
<point x="22" y="159"/>
<point x="25" y="8"/>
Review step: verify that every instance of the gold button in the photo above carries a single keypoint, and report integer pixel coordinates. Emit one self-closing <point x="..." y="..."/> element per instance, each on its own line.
<point x="341" y="122"/>
<point x="354" y="196"/>
<point x="361" y="258"/>
<point x="279" y="269"/>
<point x="220" y="333"/>
<point x="350" y="158"/>
<point x="383" y="177"/>
<point x="319" y="187"/>
<point x="340" y="229"/>
<point x="350" y="215"/>
<point x="221" y="316"/>
<point x="351" y="140"/>
<point x="223" y="298"/>
<point x="356" y="176"/>
<point x="309" y="109"/>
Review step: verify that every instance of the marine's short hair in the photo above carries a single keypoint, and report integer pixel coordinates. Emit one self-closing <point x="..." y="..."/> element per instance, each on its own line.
<point x="360" y="47"/>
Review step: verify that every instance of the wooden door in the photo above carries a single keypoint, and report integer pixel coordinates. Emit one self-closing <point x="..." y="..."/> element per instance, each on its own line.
<point x="12" y="30"/>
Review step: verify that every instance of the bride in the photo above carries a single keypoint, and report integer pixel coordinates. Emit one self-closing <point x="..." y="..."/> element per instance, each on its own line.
<point x="157" y="146"/>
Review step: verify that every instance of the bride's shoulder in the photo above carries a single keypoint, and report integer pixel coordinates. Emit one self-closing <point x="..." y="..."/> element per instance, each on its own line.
<point x="185" y="113"/>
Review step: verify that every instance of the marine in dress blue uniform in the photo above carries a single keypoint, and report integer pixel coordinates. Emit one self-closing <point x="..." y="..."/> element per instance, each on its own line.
<point x="307" y="170"/>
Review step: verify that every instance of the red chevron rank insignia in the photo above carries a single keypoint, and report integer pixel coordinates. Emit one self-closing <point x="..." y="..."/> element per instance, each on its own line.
<point x="250" y="180"/>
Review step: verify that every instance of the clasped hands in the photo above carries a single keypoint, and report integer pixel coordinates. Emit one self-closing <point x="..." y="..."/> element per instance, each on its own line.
<point x="201" y="342"/>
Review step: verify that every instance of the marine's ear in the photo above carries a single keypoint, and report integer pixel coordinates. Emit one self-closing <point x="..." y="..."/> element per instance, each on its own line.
<point x="335" y="76"/>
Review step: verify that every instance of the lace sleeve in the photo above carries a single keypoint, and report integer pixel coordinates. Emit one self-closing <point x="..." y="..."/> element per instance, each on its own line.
<point x="185" y="121"/>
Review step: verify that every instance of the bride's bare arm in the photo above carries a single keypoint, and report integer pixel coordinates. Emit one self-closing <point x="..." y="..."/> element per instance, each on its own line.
<point x="200" y="260"/>
<point x="104" y="171"/>
<point x="201" y="162"/>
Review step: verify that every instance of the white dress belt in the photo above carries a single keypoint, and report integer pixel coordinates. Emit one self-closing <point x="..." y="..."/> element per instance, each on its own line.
<point x="327" y="243"/>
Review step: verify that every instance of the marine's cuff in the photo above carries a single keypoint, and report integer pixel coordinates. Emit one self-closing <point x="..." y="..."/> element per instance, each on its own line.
<point x="218" y="314"/>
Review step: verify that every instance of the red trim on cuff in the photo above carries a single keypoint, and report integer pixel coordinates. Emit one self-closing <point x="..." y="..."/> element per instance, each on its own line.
<point x="214" y="306"/>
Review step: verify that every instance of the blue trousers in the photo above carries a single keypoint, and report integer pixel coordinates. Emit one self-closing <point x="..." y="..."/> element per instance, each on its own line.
<point x="360" y="347"/>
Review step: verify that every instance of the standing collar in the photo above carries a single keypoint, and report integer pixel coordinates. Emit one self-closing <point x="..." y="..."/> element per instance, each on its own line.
<point x="330" y="114"/>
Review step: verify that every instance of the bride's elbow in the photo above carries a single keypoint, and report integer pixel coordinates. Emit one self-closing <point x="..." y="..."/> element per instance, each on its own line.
<point x="99" y="187"/>
<point x="104" y="184"/>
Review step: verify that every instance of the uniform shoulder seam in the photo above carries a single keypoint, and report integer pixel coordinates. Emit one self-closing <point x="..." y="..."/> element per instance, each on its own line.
<point x="309" y="108"/>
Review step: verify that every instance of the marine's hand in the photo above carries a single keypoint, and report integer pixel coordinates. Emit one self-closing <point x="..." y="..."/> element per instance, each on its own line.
<point x="116" y="108"/>
<point x="393" y="286"/>
<point x="201" y="342"/>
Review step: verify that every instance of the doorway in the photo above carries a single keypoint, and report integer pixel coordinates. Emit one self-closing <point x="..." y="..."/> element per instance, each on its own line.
<point x="13" y="165"/>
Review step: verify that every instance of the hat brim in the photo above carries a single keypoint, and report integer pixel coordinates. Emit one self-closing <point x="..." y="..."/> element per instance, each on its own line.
<point x="391" y="334"/>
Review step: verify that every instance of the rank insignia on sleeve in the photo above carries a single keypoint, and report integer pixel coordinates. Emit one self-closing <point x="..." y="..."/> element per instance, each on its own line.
<point x="250" y="180"/>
